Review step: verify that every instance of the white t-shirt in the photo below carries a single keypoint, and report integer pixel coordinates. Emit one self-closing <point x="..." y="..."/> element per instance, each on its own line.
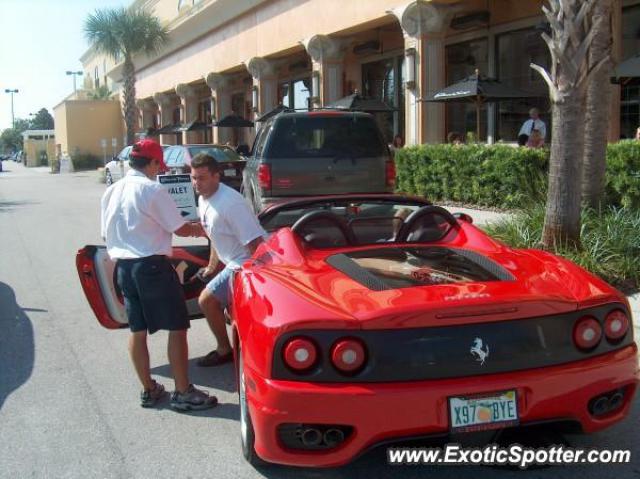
<point x="230" y="224"/>
<point x="529" y="125"/>
<point x="138" y="217"/>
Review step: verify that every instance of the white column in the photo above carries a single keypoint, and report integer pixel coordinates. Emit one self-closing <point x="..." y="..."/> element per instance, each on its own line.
<point x="424" y="25"/>
<point x="189" y="105"/>
<point x="147" y="109"/>
<point x="264" y="83"/>
<point x="165" y="106"/>
<point x="326" y="56"/>
<point x="221" y="104"/>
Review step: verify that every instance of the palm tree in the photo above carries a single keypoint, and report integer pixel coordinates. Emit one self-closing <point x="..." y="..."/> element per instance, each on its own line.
<point x="598" y="98"/>
<point x="100" y="93"/>
<point x="124" y="33"/>
<point x="571" y="37"/>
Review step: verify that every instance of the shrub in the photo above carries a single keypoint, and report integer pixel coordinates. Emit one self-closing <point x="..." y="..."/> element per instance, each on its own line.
<point x="623" y="174"/>
<point x="504" y="176"/>
<point x="86" y="161"/>
<point x="495" y="175"/>
<point x="610" y="241"/>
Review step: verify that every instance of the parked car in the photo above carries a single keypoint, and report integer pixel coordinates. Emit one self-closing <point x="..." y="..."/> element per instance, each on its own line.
<point x="319" y="152"/>
<point x="178" y="160"/>
<point x="118" y="166"/>
<point x="363" y="306"/>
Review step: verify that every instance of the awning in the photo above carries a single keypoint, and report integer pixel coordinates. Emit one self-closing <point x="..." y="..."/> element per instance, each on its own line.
<point x="195" y="125"/>
<point x="356" y="102"/>
<point x="273" y="112"/>
<point x="168" y="129"/>
<point x="628" y="69"/>
<point x="233" y="121"/>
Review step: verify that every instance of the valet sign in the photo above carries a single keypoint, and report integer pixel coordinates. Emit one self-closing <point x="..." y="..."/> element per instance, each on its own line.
<point x="181" y="190"/>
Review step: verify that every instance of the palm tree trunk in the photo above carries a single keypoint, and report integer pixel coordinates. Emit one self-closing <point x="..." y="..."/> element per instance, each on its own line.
<point x="129" y="101"/>
<point x="597" y="111"/>
<point x="562" y="217"/>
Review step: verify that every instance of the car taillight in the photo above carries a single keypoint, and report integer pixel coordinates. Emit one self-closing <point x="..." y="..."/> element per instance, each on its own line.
<point x="616" y="325"/>
<point x="390" y="173"/>
<point x="587" y="332"/>
<point x="300" y="354"/>
<point x="348" y="355"/>
<point x="264" y="176"/>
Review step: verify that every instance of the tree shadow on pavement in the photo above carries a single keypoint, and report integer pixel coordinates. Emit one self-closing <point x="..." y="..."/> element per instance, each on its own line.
<point x="17" y="349"/>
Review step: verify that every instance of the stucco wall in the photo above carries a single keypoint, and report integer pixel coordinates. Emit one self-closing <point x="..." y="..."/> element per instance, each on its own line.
<point x="33" y="148"/>
<point x="86" y="122"/>
<point x="279" y="26"/>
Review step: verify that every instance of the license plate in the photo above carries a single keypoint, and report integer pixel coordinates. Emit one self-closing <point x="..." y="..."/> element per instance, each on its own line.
<point x="481" y="412"/>
<point x="230" y="172"/>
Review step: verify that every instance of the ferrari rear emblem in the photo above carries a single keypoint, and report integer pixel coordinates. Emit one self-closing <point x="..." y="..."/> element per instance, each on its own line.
<point x="478" y="352"/>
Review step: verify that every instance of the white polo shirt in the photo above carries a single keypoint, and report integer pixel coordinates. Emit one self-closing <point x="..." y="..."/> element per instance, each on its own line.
<point x="138" y="218"/>
<point x="531" y="124"/>
<point x="230" y="225"/>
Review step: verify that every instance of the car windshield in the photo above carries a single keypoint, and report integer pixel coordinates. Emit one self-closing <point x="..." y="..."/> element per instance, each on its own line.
<point x="347" y="136"/>
<point x="392" y="268"/>
<point x="221" y="154"/>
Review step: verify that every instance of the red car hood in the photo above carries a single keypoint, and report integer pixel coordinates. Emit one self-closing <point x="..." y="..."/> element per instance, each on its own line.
<point x="544" y="285"/>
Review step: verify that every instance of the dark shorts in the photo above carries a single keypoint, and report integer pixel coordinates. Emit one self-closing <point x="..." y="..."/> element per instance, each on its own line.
<point x="153" y="296"/>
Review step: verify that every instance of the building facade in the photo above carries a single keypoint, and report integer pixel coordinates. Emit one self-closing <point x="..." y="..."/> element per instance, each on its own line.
<point x="247" y="56"/>
<point x="85" y="126"/>
<point x="38" y="147"/>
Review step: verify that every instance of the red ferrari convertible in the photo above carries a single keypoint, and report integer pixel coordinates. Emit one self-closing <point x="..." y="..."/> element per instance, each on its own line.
<point x="372" y="318"/>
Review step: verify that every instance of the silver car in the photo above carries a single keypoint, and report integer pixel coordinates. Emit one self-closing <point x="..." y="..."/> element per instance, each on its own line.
<point x="118" y="166"/>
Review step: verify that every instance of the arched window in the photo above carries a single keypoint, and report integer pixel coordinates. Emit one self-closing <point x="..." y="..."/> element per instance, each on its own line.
<point x="96" y="78"/>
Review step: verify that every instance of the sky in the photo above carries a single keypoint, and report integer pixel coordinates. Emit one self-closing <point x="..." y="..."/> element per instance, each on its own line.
<point x="39" y="41"/>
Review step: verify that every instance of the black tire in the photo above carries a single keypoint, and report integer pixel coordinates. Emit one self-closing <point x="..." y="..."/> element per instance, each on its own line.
<point x="108" y="179"/>
<point x="247" y="434"/>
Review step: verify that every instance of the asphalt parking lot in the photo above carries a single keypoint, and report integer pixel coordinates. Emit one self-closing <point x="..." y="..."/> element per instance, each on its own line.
<point x="68" y="394"/>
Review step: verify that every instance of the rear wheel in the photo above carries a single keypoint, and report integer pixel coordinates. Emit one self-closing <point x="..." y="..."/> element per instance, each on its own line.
<point x="108" y="178"/>
<point x="247" y="434"/>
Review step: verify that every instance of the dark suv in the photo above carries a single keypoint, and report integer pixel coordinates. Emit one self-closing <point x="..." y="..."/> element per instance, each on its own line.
<point x="316" y="153"/>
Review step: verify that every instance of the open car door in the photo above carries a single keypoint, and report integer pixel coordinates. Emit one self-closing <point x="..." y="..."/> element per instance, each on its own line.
<point x="98" y="279"/>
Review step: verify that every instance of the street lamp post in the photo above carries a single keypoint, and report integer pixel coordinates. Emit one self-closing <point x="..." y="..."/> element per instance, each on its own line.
<point x="12" y="91"/>
<point x="74" y="74"/>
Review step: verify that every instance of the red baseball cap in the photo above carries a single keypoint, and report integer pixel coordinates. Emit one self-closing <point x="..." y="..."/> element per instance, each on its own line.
<point x="151" y="150"/>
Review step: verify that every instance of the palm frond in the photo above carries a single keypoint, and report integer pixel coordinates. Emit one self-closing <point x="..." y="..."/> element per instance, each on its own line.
<point x="100" y="31"/>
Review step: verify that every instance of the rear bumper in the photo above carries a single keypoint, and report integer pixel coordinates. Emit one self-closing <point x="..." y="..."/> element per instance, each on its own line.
<point x="383" y="411"/>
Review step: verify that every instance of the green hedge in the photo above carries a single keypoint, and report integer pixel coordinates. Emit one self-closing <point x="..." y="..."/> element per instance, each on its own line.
<point x="86" y="161"/>
<point x="504" y="176"/>
<point x="623" y="174"/>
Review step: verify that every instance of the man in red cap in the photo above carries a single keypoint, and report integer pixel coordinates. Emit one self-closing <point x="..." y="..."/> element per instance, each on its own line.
<point x="138" y="220"/>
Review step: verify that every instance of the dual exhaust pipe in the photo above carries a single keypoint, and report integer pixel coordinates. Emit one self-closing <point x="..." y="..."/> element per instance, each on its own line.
<point x="606" y="403"/>
<point x="314" y="437"/>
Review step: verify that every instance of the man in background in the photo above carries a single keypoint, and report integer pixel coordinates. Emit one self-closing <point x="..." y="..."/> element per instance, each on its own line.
<point x="533" y="123"/>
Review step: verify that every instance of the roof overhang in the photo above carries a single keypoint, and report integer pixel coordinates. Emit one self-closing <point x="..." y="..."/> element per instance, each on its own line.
<point x="186" y="29"/>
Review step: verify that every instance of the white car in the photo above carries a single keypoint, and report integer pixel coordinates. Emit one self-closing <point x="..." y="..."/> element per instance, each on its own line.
<point x="118" y="167"/>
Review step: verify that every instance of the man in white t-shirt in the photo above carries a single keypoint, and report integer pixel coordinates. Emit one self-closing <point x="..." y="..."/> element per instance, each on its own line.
<point x="533" y="123"/>
<point x="235" y="233"/>
<point x="138" y="220"/>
